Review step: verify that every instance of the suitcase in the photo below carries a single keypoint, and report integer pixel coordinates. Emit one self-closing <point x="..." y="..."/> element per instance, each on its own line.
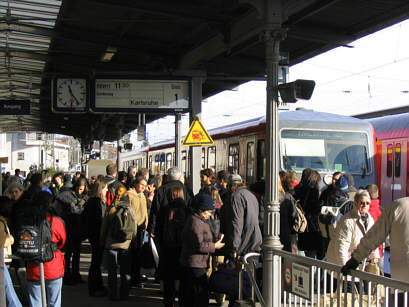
<point x="227" y="281"/>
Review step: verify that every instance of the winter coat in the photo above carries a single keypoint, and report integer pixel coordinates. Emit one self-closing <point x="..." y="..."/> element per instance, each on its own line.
<point x="162" y="198"/>
<point x="163" y="214"/>
<point x="374" y="209"/>
<point x="106" y="236"/>
<point x="54" y="268"/>
<point x="287" y="215"/>
<point x="394" y="221"/>
<point x="113" y="184"/>
<point x="334" y="197"/>
<point x="349" y="232"/>
<point x="242" y="234"/>
<point x="68" y="205"/>
<point x="311" y="239"/>
<point x="197" y="243"/>
<point x="6" y="239"/>
<point x="138" y="207"/>
<point x="91" y="219"/>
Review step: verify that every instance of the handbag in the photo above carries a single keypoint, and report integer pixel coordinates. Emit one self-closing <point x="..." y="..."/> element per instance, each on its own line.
<point x="147" y="257"/>
<point x="227" y="281"/>
<point x="8" y="242"/>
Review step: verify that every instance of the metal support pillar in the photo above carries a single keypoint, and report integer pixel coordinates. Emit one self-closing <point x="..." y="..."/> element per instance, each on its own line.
<point x="178" y="128"/>
<point x="117" y="150"/>
<point x="195" y="152"/>
<point x="273" y="34"/>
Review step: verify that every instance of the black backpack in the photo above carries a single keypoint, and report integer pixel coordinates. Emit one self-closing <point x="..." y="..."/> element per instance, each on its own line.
<point x="33" y="234"/>
<point x="123" y="225"/>
<point x="175" y="215"/>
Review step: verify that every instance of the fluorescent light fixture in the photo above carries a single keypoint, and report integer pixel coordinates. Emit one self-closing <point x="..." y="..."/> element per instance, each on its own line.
<point x="108" y="54"/>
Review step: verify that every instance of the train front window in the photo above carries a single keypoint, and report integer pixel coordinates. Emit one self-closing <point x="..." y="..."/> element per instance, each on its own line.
<point x="325" y="151"/>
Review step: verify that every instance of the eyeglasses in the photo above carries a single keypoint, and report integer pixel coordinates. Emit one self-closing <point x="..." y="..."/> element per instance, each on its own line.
<point x="365" y="203"/>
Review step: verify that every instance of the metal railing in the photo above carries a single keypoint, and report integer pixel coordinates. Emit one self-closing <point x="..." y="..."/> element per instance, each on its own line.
<point x="308" y="282"/>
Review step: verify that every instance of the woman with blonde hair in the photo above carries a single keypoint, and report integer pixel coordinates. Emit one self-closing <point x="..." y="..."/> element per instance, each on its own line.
<point x="116" y="252"/>
<point x="94" y="212"/>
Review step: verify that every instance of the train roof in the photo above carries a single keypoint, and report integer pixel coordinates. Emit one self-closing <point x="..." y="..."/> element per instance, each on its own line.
<point x="391" y="126"/>
<point x="257" y="124"/>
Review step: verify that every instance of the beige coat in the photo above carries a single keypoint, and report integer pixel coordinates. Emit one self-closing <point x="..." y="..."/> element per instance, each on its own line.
<point x="6" y="239"/>
<point x="349" y="232"/>
<point x="138" y="207"/>
<point x="394" y="221"/>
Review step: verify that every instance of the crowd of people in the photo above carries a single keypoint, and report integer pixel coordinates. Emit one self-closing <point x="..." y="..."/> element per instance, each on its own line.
<point x="195" y="234"/>
<point x="186" y="228"/>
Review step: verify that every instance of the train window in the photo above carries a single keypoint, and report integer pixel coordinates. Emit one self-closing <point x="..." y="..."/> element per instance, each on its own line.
<point x="397" y="160"/>
<point x="168" y="161"/>
<point x="156" y="169"/>
<point x="389" y="160"/>
<point x="174" y="159"/>
<point x="250" y="163"/>
<point x="325" y="151"/>
<point x="261" y="159"/>
<point x="203" y="158"/>
<point x="150" y="162"/>
<point x="162" y="163"/>
<point x="234" y="158"/>
<point x="183" y="162"/>
<point x="211" y="157"/>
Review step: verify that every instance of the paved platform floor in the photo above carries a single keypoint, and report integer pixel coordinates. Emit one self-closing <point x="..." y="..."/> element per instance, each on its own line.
<point x="77" y="295"/>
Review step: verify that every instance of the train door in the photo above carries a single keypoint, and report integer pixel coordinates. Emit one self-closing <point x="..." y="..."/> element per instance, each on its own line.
<point x="393" y="174"/>
<point x="250" y="163"/>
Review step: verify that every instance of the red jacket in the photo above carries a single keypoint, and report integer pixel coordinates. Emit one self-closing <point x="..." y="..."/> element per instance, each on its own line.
<point x="375" y="212"/>
<point x="374" y="209"/>
<point x="54" y="268"/>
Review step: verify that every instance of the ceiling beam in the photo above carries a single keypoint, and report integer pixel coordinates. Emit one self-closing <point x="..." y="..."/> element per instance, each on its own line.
<point x="238" y="32"/>
<point x="185" y="11"/>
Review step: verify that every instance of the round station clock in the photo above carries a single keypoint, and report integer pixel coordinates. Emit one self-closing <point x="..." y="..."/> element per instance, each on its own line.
<point x="71" y="93"/>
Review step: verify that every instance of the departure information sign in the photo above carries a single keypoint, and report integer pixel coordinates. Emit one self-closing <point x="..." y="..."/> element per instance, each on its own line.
<point x="130" y="95"/>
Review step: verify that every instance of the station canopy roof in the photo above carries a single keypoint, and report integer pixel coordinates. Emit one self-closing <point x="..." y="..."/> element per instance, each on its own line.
<point x="42" y="39"/>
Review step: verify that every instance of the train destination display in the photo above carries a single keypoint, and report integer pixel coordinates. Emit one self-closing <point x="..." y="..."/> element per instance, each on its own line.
<point x="141" y="95"/>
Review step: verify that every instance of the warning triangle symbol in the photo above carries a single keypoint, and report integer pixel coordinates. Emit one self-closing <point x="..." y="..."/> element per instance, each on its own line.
<point x="197" y="135"/>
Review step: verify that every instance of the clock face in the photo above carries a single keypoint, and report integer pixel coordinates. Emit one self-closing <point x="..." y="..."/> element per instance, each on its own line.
<point x="71" y="93"/>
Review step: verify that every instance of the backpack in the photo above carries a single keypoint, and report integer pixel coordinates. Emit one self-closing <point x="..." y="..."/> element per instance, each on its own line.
<point x="123" y="225"/>
<point x="328" y="219"/>
<point x="33" y="234"/>
<point x="174" y="221"/>
<point x="110" y="194"/>
<point x="300" y="221"/>
<point x="77" y="207"/>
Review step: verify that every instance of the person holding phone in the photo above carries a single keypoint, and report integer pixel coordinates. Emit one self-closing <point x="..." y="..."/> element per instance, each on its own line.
<point x="198" y="244"/>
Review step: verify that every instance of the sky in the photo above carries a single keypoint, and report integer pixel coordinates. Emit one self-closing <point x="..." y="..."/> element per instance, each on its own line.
<point x="371" y="74"/>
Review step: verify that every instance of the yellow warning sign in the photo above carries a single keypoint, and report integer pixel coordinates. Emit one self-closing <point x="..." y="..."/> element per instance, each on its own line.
<point x="197" y="135"/>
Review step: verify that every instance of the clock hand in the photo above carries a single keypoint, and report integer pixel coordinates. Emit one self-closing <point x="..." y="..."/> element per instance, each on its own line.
<point x="72" y="95"/>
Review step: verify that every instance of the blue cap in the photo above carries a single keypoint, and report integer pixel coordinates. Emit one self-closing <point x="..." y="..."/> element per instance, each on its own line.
<point x="203" y="202"/>
<point x="342" y="184"/>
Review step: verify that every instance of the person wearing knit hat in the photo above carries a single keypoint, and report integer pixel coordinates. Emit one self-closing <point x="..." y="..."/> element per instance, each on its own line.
<point x="342" y="184"/>
<point x="235" y="178"/>
<point x="196" y="247"/>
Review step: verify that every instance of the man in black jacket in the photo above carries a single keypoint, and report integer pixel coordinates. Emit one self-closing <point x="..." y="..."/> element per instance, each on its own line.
<point x="163" y="197"/>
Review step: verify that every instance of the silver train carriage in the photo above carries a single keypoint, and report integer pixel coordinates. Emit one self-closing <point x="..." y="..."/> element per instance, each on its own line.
<point x="322" y="141"/>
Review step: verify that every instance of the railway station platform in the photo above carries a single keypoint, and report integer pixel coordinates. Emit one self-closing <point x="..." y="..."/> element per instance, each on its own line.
<point x="77" y="295"/>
